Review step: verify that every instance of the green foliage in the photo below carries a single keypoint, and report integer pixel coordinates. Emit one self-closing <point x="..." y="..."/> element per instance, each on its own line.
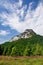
<point x="37" y="49"/>
<point x="13" y="51"/>
<point x="23" y="47"/>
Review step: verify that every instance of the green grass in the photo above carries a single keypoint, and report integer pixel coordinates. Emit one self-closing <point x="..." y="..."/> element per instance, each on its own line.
<point x="4" y="60"/>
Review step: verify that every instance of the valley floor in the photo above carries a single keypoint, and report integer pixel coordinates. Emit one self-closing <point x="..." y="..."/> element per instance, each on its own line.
<point x="21" y="60"/>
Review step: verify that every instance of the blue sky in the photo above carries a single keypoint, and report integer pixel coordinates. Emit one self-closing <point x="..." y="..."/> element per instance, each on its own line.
<point x="18" y="15"/>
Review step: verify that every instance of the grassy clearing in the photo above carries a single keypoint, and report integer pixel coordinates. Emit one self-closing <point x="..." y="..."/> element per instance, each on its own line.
<point x="4" y="60"/>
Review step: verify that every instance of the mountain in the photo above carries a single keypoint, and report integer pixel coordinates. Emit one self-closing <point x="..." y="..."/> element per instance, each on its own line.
<point x="27" y="44"/>
<point x="26" y="34"/>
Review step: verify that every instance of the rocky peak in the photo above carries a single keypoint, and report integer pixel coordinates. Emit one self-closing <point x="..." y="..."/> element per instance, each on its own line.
<point x="30" y="31"/>
<point x="26" y="34"/>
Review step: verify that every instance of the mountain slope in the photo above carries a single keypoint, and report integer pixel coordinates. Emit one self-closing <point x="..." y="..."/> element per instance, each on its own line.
<point x="23" y="47"/>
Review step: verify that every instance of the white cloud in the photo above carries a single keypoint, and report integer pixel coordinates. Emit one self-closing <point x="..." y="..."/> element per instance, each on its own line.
<point x="20" y="3"/>
<point x="3" y="32"/>
<point x="33" y="19"/>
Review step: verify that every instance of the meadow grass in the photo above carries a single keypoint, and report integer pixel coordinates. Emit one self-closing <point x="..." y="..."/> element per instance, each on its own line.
<point x="5" y="60"/>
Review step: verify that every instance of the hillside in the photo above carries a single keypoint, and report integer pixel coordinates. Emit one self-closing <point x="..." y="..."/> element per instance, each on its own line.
<point x="23" y="47"/>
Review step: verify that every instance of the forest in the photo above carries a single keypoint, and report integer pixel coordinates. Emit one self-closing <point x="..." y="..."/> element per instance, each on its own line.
<point x="23" y="47"/>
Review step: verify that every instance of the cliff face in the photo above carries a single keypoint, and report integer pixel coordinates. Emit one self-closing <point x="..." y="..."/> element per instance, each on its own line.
<point x="26" y="34"/>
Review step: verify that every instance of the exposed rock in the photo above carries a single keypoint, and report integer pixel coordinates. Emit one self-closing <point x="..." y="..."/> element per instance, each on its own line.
<point x="26" y="34"/>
